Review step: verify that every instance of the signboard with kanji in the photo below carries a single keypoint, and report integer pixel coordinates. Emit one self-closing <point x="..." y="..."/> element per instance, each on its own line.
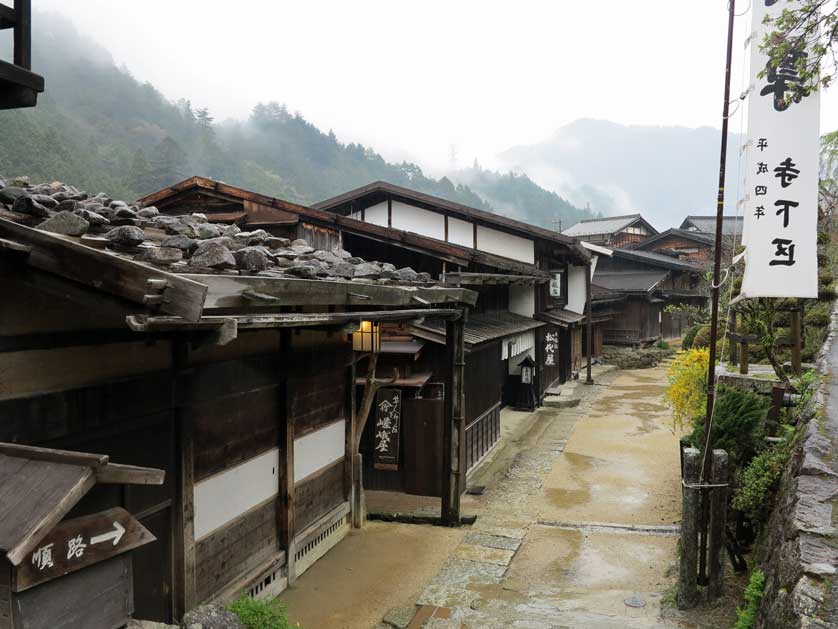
<point x="388" y="412"/>
<point x="80" y="542"/>
<point x="781" y="180"/>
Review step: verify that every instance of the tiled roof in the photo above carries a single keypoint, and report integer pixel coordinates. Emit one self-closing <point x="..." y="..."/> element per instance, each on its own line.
<point x="608" y="225"/>
<point x="707" y="225"/>
<point x="629" y="281"/>
<point x="656" y="259"/>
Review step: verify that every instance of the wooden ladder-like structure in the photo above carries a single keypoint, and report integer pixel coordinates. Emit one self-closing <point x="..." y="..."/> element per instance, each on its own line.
<point x="19" y="86"/>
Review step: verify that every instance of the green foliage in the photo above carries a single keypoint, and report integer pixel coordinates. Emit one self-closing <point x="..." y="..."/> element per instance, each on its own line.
<point x="746" y="616"/>
<point x="259" y="614"/>
<point x="689" y="337"/>
<point x="738" y="424"/>
<point x="702" y="336"/>
<point x="758" y="481"/>
<point x="686" y="394"/>
<point x="662" y="345"/>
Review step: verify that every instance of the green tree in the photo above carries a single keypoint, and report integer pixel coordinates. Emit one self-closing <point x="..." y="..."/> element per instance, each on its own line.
<point x="169" y="164"/>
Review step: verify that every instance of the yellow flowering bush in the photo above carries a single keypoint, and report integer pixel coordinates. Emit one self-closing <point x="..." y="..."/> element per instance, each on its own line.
<point x="686" y="394"/>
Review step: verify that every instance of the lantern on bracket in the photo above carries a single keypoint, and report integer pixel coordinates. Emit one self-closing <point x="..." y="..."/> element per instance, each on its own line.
<point x="367" y="338"/>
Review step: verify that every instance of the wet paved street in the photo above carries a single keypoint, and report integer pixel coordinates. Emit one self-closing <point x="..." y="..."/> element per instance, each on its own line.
<point x="585" y="518"/>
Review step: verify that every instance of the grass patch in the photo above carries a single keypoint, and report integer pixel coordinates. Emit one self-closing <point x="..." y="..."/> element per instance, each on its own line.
<point x="261" y="614"/>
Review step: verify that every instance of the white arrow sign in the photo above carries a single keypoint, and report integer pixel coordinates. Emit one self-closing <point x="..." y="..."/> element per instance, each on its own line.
<point x="115" y="535"/>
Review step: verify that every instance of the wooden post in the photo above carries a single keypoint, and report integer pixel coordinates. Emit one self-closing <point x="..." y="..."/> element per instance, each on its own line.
<point x="688" y="569"/>
<point x="797" y="342"/>
<point x="453" y="433"/>
<point x="285" y="499"/>
<point x="589" y="323"/>
<point x="23" y="34"/>
<point x="718" y="515"/>
<point x="731" y="330"/>
<point x="743" y="357"/>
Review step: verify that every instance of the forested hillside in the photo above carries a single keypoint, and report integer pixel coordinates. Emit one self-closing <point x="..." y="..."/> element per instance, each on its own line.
<point x="99" y="128"/>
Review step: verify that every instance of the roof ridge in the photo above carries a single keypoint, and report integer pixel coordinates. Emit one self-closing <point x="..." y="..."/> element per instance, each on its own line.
<point x="610" y="218"/>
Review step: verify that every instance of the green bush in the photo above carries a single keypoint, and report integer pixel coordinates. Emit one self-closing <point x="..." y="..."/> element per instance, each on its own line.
<point x="746" y="616"/>
<point x="259" y="614"/>
<point x="689" y="337"/>
<point x="758" y="481"/>
<point x="662" y="345"/>
<point x="738" y="424"/>
<point x="702" y="337"/>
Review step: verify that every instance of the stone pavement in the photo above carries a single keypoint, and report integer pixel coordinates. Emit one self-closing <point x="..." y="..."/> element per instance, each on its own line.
<point x="584" y="519"/>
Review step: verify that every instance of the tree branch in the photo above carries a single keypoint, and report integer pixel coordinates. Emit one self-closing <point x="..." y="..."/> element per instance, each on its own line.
<point x="371" y="387"/>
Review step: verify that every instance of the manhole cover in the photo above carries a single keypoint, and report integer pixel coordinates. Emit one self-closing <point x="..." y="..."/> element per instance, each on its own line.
<point x="635" y="602"/>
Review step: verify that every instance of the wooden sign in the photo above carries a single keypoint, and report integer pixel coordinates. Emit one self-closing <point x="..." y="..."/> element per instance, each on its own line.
<point x="388" y="414"/>
<point x="551" y="344"/>
<point x="80" y="542"/>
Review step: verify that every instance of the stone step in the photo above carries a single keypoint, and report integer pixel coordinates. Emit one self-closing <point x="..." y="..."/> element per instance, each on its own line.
<point x="555" y="401"/>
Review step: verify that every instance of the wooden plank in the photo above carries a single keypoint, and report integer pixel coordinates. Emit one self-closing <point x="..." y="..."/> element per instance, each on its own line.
<point x="55" y="456"/>
<point x="229" y="291"/>
<point x="7" y="17"/>
<point x="318" y="494"/>
<point x="81" y="542"/>
<point x="14" y="249"/>
<point x="130" y="475"/>
<point x="12" y="75"/>
<point x="23" y="35"/>
<point x="107" y="272"/>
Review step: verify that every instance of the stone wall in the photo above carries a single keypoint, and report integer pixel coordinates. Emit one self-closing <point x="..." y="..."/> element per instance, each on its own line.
<point x="800" y="552"/>
<point x="629" y="358"/>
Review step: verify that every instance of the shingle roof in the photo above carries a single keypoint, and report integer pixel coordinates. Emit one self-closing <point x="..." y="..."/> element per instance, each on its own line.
<point x="607" y="225"/>
<point x="479" y="328"/>
<point x="707" y="225"/>
<point x="628" y="281"/>
<point x="656" y="259"/>
<point x="700" y="237"/>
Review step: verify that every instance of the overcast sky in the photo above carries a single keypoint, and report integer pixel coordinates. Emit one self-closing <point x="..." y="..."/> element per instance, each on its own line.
<point x="411" y="79"/>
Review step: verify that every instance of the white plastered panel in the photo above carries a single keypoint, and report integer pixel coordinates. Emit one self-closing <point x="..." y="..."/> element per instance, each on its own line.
<point x="318" y="449"/>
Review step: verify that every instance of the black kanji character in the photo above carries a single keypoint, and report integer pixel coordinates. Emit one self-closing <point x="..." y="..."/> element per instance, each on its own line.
<point x="762" y="167"/>
<point x="785" y="206"/>
<point x="760" y="211"/>
<point x="762" y="144"/>
<point x="784" y="79"/>
<point x="760" y="190"/>
<point x="785" y="249"/>
<point x="786" y="172"/>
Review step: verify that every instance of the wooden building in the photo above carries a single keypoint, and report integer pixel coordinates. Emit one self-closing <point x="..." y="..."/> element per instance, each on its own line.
<point x="731" y="225"/>
<point x="612" y="231"/>
<point x="19" y="86"/>
<point x="692" y="246"/>
<point x="648" y="282"/>
<point x="239" y="386"/>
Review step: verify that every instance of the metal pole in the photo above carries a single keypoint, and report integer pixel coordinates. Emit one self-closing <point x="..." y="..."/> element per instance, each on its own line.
<point x="714" y="320"/>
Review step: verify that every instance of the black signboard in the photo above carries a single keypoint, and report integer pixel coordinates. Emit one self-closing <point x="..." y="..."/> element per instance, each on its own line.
<point x="388" y="415"/>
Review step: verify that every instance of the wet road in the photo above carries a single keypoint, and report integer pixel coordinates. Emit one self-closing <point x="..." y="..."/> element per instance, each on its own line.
<point x="585" y="519"/>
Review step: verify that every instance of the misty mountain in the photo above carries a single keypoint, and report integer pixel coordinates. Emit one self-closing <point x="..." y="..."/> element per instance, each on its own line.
<point x="99" y="128"/>
<point x="663" y="172"/>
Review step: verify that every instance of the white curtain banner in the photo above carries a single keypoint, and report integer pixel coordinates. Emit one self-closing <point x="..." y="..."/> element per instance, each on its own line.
<point x="781" y="192"/>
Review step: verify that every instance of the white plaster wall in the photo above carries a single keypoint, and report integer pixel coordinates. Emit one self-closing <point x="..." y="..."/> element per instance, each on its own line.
<point x="418" y="221"/>
<point x="375" y="214"/>
<point x="318" y="449"/>
<point x="507" y="245"/>
<point x="522" y="300"/>
<point x="223" y="497"/>
<point x="460" y="232"/>
<point x="576" y="289"/>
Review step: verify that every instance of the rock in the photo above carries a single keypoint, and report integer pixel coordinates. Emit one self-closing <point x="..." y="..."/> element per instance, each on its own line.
<point x="343" y="254"/>
<point x="118" y="204"/>
<point x="67" y="205"/>
<point x="207" y="230"/>
<point x="299" y="242"/>
<point x="160" y="255"/>
<point x="288" y="254"/>
<point x="230" y="230"/>
<point x="199" y="217"/>
<point x="252" y="259"/>
<point x="301" y="250"/>
<point x="326" y="256"/>
<point x="65" y="223"/>
<point x="92" y="217"/>
<point x="221" y="240"/>
<point x="125" y="212"/>
<point x="305" y="270"/>
<point x="211" y="617"/>
<point x="343" y="269"/>
<point x="277" y="243"/>
<point x="213" y="255"/>
<point x="45" y="200"/>
<point x="368" y="270"/>
<point x="148" y="624"/>
<point x="2" y="183"/>
<point x="423" y="277"/>
<point x="387" y="274"/>
<point x="148" y="212"/>
<point x="19" y="182"/>
<point x="10" y="194"/>
<point x="399" y="617"/>
<point x="127" y="235"/>
<point x="355" y="260"/>
<point x="386" y="266"/>
<point x="174" y="225"/>
<point x="406" y="274"/>
<point x="180" y="241"/>
<point x="27" y="205"/>
<point x="258" y="237"/>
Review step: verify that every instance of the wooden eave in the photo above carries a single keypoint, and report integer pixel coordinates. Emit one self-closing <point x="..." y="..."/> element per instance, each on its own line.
<point x="39" y="486"/>
<point x="480" y="279"/>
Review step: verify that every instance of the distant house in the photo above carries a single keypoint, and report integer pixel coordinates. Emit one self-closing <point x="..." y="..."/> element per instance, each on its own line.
<point x="613" y="231"/>
<point x="647" y="282"/>
<point x="731" y="225"/>
<point x="678" y="243"/>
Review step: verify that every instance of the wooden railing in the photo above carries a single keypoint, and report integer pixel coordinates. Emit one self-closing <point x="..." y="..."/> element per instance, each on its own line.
<point x="481" y="435"/>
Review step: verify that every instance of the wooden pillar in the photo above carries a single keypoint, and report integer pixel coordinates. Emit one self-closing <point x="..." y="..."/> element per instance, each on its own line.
<point x="743" y="357"/>
<point x="718" y="515"/>
<point x="285" y="498"/>
<point x="797" y="342"/>
<point x="454" y="430"/>
<point x="589" y="323"/>
<point x="23" y="34"/>
<point x="731" y="330"/>
<point x="688" y="569"/>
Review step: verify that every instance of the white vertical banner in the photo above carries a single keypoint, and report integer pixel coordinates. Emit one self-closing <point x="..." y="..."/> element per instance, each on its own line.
<point x="781" y="192"/>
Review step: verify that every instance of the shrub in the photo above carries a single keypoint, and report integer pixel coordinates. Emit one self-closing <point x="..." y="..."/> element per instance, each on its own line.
<point x="702" y="337"/>
<point x="689" y="337"/>
<point x="746" y="616"/>
<point x="663" y="345"/>
<point x="259" y="614"/>
<point x="758" y="481"/>
<point x="686" y="394"/>
<point x="738" y="424"/>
